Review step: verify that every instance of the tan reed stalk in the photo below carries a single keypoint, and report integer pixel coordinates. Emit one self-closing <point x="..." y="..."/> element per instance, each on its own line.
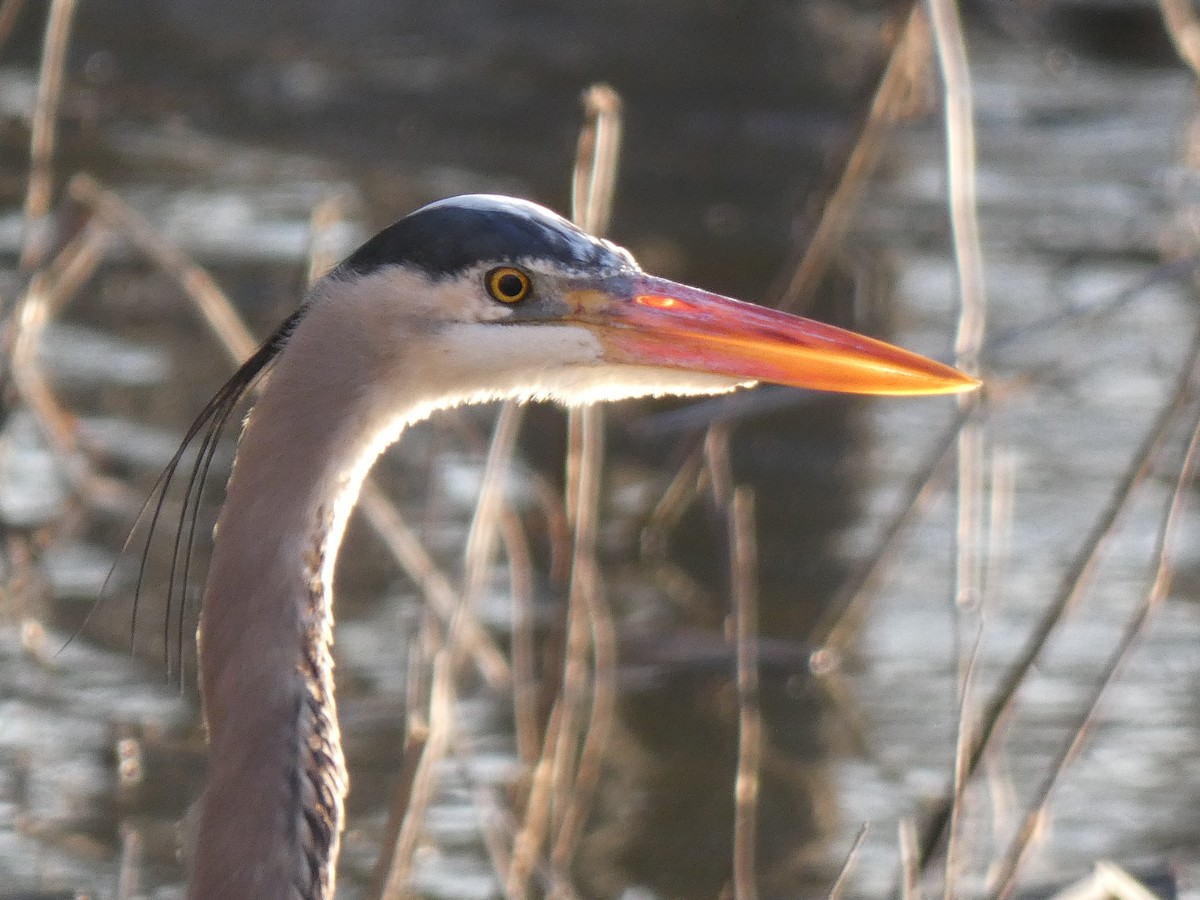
<point x="42" y="132"/>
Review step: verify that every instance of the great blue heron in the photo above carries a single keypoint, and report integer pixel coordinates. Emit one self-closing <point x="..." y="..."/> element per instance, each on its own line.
<point x="467" y="300"/>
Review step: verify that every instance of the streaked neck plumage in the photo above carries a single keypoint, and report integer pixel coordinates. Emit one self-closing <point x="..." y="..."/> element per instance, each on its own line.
<point x="271" y="815"/>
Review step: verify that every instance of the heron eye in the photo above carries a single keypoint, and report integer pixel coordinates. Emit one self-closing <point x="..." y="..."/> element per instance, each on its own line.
<point x="508" y="285"/>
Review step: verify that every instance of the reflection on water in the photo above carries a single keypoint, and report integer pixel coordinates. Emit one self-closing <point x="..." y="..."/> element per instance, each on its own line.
<point x="1078" y="181"/>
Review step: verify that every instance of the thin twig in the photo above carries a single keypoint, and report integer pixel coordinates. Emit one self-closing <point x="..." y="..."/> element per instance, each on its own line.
<point x="326" y="215"/>
<point x="55" y="423"/>
<point x="481" y="539"/>
<point x="742" y="552"/>
<point x="524" y="669"/>
<point x="960" y="169"/>
<point x="838" y="890"/>
<point x="414" y="749"/>
<point x="737" y="506"/>
<point x="74" y="265"/>
<point x="129" y="865"/>
<point x="45" y="294"/>
<point x="1183" y="28"/>
<point x="585" y="443"/>
<point x="1074" y="581"/>
<point x="593" y="184"/>
<point x="962" y="743"/>
<point x="1152" y="600"/>
<point x="833" y="627"/>
<point x="910" y="873"/>
<point x="950" y="47"/>
<point x="897" y="81"/>
<point x="679" y="494"/>
<point x="536" y="823"/>
<point x="406" y="548"/>
<point x="593" y="188"/>
<point x="212" y="302"/>
<point x="441" y="725"/>
<point x="42" y="133"/>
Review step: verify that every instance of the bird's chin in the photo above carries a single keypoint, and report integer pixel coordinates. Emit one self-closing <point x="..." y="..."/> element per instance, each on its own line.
<point x="566" y="363"/>
<point x="595" y="384"/>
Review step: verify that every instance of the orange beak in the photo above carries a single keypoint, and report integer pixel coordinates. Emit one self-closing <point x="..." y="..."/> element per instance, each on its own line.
<point x="668" y="325"/>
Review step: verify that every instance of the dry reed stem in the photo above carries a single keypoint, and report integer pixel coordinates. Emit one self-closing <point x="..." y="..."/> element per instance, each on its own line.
<point x="500" y="828"/>
<point x="910" y="873"/>
<point x="414" y="749"/>
<point x="586" y="448"/>
<point x="481" y="538"/>
<point x="406" y="548"/>
<point x="1183" y="28"/>
<point x="1000" y="788"/>
<point x="737" y="505"/>
<point x="45" y="294"/>
<point x="441" y="727"/>
<point x="536" y="824"/>
<point x="497" y="824"/>
<point x="1009" y="869"/>
<point x="838" y="890"/>
<point x="835" y="626"/>
<point x="212" y="302"/>
<point x="497" y="828"/>
<point x="324" y="218"/>
<point x="679" y="494"/>
<point x="55" y="423"/>
<point x="962" y="743"/>
<point x="490" y="511"/>
<point x="73" y="266"/>
<point x="1071" y="587"/>
<point x="743" y="553"/>
<point x="42" y="133"/>
<point x="950" y="46"/>
<point x="492" y="517"/>
<point x="593" y="184"/>
<point x="579" y="801"/>
<point x="566" y="774"/>
<point x="524" y="650"/>
<point x="594" y="180"/>
<point x="558" y="529"/>
<point x="897" y="81"/>
<point x="129" y="864"/>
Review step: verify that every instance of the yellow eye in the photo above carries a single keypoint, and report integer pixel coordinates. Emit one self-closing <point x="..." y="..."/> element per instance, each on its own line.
<point x="508" y="285"/>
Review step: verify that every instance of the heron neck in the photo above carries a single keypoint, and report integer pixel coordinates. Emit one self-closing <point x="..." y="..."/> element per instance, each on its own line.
<point x="272" y="811"/>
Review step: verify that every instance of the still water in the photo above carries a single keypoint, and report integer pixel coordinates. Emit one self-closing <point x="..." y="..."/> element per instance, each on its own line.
<point x="1083" y="192"/>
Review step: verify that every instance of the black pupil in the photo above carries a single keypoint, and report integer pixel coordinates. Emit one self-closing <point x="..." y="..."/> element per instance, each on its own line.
<point x="510" y="285"/>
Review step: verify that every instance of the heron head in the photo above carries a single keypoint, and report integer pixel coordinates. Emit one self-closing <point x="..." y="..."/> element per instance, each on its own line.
<point x="519" y="299"/>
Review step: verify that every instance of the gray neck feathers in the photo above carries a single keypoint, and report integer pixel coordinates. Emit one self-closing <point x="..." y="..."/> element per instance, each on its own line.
<point x="272" y="811"/>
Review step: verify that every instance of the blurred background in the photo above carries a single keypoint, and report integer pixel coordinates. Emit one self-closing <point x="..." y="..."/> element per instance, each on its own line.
<point x="218" y="129"/>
